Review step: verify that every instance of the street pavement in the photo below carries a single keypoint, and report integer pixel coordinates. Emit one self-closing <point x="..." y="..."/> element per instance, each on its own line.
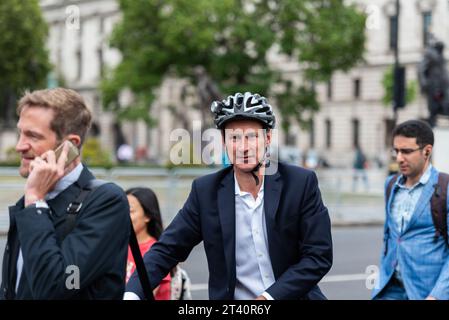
<point x="355" y="248"/>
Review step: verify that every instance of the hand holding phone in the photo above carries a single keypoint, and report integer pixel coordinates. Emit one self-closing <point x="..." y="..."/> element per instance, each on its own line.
<point x="72" y="154"/>
<point x="46" y="171"/>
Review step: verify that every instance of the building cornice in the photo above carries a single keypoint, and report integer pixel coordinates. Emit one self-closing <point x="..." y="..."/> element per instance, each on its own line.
<point x="58" y="4"/>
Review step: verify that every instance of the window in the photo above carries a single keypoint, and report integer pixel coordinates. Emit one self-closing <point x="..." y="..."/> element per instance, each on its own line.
<point x="97" y="106"/>
<point x="329" y="90"/>
<point x="79" y="54"/>
<point x="355" y="132"/>
<point x="389" y="126"/>
<point x="427" y="21"/>
<point x="100" y="54"/>
<point x="7" y="108"/>
<point x="101" y="25"/>
<point x="328" y="125"/>
<point x="100" y="61"/>
<point x="312" y="134"/>
<point x="393" y="31"/>
<point x="357" y="88"/>
<point x="79" y="59"/>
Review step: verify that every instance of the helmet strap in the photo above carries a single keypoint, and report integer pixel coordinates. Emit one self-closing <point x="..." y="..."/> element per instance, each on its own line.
<point x="265" y="160"/>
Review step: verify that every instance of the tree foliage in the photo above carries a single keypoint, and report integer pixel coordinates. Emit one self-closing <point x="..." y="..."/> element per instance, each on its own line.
<point x="324" y="36"/>
<point x="24" y="60"/>
<point x="231" y="41"/>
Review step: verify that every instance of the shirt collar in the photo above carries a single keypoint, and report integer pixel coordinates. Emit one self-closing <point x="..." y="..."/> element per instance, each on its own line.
<point x="423" y="180"/>
<point x="240" y="193"/>
<point x="66" y="181"/>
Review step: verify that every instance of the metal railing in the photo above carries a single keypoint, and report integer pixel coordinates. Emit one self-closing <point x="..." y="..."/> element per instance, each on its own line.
<point x="347" y="202"/>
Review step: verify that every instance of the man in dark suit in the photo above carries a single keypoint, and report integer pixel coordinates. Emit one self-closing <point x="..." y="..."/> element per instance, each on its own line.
<point x="47" y="256"/>
<point x="266" y="234"/>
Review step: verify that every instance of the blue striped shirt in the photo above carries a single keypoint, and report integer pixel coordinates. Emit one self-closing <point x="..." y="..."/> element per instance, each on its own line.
<point x="406" y="198"/>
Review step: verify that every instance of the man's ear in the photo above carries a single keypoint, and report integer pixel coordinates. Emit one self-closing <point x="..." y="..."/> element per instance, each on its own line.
<point x="428" y="151"/>
<point x="75" y="139"/>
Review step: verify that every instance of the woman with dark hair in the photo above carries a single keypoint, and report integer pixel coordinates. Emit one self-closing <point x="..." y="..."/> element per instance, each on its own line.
<point x="147" y="223"/>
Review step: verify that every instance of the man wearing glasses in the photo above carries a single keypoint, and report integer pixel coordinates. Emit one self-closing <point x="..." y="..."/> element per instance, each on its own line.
<point x="415" y="256"/>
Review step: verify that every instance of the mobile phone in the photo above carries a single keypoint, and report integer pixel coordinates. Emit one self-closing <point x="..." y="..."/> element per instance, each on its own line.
<point x="73" y="152"/>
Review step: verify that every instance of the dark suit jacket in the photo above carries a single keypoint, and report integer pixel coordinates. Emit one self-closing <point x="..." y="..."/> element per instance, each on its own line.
<point x="97" y="246"/>
<point x="298" y="230"/>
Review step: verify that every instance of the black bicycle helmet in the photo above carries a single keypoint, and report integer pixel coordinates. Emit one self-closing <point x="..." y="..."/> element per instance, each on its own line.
<point x="243" y="106"/>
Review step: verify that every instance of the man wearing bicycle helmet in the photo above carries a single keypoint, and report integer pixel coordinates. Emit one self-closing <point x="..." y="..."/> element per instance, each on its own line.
<point x="266" y="234"/>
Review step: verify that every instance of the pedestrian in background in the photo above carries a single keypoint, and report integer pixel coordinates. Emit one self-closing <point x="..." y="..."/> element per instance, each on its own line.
<point x="359" y="166"/>
<point x="415" y="258"/>
<point x="147" y="222"/>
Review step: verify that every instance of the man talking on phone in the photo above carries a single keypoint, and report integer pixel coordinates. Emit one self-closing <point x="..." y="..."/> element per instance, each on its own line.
<point x="67" y="238"/>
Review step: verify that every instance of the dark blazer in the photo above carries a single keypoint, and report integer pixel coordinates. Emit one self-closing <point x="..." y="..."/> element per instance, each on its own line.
<point x="97" y="246"/>
<point x="298" y="230"/>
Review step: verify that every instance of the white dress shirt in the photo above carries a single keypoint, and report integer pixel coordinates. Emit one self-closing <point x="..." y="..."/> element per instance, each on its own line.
<point x="254" y="273"/>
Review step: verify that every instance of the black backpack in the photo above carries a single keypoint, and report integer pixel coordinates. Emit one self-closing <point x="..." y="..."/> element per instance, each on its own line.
<point x="438" y="205"/>
<point x="70" y="222"/>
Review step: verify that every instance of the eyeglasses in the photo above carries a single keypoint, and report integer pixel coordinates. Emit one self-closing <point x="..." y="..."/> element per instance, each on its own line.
<point x="405" y="152"/>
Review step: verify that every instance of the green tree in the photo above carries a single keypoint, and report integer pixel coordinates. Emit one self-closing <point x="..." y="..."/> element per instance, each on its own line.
<point x="229" y="40"/>
<point x="325" y="36"/>
<point x="177" y="37"/>
<point x="24" y="60"/>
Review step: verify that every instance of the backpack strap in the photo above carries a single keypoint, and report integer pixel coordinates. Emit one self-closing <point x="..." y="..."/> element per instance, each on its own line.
<point x="439" y="208"/>
<point x="140" y="265"/>
<point x="70" y="222"/>
<point x="75" y="206"/>
<point x="390" y="187"/>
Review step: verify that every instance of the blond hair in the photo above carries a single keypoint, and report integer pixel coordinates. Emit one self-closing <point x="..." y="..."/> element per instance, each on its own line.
<point x="71" y="115"/>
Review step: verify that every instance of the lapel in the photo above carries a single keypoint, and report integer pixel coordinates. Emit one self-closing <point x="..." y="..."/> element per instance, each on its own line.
<point x="272" y="196"/>
<point x="424" y="199"/>
<point x="393" y="191"/>
<point x="14" y="247"/>
<point x="226" y="211"/>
